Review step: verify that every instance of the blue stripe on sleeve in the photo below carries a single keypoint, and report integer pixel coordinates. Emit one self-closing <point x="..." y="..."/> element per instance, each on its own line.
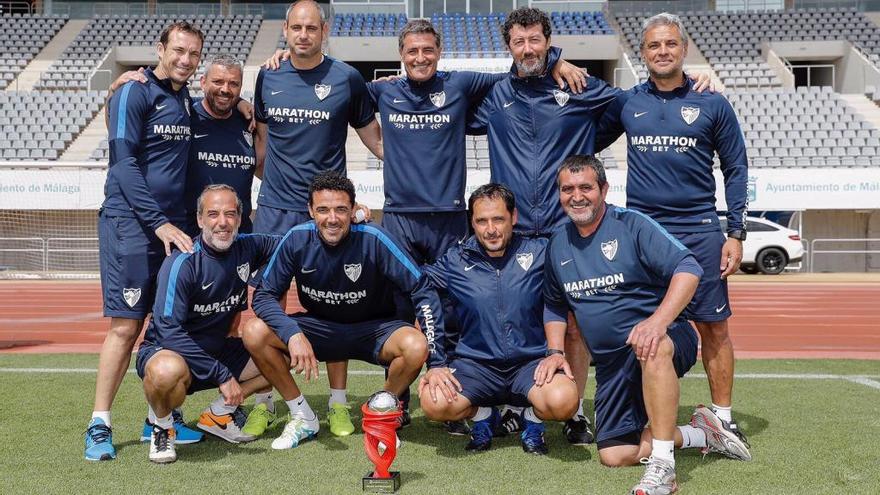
<point x="391" y="247"/>
<point x="302" y="226"/>
<point x="120" y="117"/>
<point x="172" y="284"/>
<point x="653" y="222"/>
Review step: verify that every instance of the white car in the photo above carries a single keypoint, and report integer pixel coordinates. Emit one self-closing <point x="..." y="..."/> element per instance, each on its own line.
<point x="769" y="247"/>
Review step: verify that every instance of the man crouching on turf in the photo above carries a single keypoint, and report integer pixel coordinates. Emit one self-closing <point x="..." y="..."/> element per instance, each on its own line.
<point x="495" y="281"/>
<point x="186" y="347"/>
<point x="345" y="278"/>
<point x="627" y="281"/>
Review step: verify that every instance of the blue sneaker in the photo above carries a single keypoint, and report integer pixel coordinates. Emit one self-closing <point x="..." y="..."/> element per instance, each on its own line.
<point x="533" y="439"/>
<point x="99" y="441"/>
<point x="185" y="434"/>
<point x="481" y="432"/>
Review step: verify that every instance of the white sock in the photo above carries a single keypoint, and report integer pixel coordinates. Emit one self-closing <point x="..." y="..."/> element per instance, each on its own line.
<point x="165" y="423"/>
<point x="219" y="406"/>
<point x="151" y="415"/>
<point x="482" y="413"/>
<point x="662" y="449"/>
<point x="300" y="407"/>
<point x="529" y="415"/>
<point x="580" y="411"/>
<point x="723" y="412"/>
<point x="337" y="396"/>
<point x="104" y="415"/>
<point x="692" y="437"/>
<point x="265" y="398"/>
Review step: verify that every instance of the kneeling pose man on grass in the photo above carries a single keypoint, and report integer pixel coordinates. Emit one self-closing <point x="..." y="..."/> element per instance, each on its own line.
<point x="627" y="281"/>
<point x="187" y="347"/>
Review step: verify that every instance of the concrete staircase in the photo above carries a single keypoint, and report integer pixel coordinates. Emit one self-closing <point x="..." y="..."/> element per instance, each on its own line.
<point x="49" y="54"/>
<point x="87" y="141"/>
<point x="864" y="107"/>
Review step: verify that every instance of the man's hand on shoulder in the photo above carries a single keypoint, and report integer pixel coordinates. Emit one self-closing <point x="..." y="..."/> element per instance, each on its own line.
<point x="169" y="234"/>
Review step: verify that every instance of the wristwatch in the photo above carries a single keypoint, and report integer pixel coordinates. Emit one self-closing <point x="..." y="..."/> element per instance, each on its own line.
<point x="551" y="352"/>
<point x="737" y="234"/>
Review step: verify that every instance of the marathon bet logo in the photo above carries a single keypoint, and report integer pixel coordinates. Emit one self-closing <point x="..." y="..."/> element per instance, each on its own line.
<point x="353" y="271"/>
<point x="690" y="114"/>
<point x="438" y="99"/>
<point x="322" y="90"/>
<point x="244" y="271"/>
<point x="131" y="296"/>
<point x="525" y="260"/>
<point x="609" y="249"/>
<point x="561" y="97"/>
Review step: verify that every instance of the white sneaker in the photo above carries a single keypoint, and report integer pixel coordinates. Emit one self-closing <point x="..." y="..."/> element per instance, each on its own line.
<point x="659" y="478"/>
<point x="225" y="426"/>
<point x="162" y="445"/>
<point x="718" y="438"/>
<point x="297" y="431"/>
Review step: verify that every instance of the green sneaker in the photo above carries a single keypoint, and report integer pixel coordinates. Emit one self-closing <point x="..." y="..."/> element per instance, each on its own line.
<point x="258" y="420"/>
<point x="340" y="420"/>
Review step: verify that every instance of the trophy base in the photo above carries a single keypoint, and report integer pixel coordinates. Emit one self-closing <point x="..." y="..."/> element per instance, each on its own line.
<point x="381" y="485"/>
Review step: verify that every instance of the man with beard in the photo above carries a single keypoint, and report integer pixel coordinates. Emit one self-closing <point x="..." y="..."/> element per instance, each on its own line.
<point x="143" y="213"/>
<point x="186" y="347"/>
<point x="627" y="281"/>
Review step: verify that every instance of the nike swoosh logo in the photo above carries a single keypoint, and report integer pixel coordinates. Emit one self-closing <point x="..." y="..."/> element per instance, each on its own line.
<point x="160" y="107"/>
<point x="469" y="268"/>
<point x="718" y="310"/>
<point x="508" y="104"/>
<point x="303" y="270"/>
<point x="199" y="136"/>
<point x="639" y="114"/>
<point x="221" y="425"/>
<point x="565" y="262"/>
<point x="276" y="92"/>
<point x="398" y="101"/>
<point x="204" y="287"/>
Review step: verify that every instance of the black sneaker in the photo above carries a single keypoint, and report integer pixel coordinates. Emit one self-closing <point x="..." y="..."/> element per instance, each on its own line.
<point x="404" y="420"/>
<point x="578" y="431"/>
<point x="511" y="422"/>
<point x="457" y="428"/>
<point x="734" y="428"/>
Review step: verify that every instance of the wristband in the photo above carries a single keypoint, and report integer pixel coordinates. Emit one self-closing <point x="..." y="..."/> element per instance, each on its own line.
<point x="551" y="352"/>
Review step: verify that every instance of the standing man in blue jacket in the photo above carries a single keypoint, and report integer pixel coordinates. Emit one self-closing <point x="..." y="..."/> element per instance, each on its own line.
<point x="495" y="281"/>
<point x="673" y="134"/>
<point x="345" y="278"/>
<point x="142" y="215"/>
<point x="627" y="281"/>
<point x="187" y="347"/>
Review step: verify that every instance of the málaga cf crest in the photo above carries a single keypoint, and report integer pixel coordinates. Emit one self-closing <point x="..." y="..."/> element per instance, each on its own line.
<point x="525" y="260"/>
<point x="322" y="90"/>
<point x="561" y="97"/>
<point x="248" y="138"/>
<point x="690" y="114"/>
<point x="353" y="271"/>
<point x="244" y="272"/>
<point x="609" y="249"/>
<point x="131" y="296"/>
<point x="438" y="99"/>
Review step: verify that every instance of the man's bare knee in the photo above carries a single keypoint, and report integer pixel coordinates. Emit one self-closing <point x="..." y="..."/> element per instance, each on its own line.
<point x="164" y="371"/>
<point x="254" y="334"/>
<point x="125" y="328"/>
<point x="621" y="456"/>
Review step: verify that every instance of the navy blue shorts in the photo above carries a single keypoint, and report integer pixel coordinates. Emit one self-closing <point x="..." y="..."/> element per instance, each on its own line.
<point x="269" y="220"/>
<point x="130" y="258"/>
<point x="711" y="301"/>
<point x="485" y="385"/>
<point x="426" y="236"/>
<point x="619" y="403"/>
<point x="332" y="341"/>
<point x="233" y="355"/>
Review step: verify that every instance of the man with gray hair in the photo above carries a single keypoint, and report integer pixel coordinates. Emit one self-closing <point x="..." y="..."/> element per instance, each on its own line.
<point x="187" y="347"/>
<point x="673" y="134"/>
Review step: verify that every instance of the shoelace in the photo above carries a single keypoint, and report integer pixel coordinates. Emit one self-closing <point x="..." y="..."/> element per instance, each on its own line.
<point x="239" y="417"/>
<point x="653" y="473"/>
<point x="176" y="416"/>
<point x="99" y="433"/>
<point x="481" y="434"/>
<point x="734" y="428"/>
<point x="161" y="440"/>
<point x="532" y="437"/>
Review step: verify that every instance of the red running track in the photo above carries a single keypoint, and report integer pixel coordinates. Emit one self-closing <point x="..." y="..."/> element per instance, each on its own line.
<point x="771" y="320"/>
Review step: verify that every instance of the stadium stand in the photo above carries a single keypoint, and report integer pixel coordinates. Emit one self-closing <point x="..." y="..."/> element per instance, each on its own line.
<point x="28" y="132"/>
<point x="22" y="37"/>
<point x="232" y="34"/>
<point x="806" y="127"/>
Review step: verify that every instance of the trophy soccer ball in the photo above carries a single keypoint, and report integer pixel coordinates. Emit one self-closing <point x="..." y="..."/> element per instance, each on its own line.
<point x="383" y="402"/>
